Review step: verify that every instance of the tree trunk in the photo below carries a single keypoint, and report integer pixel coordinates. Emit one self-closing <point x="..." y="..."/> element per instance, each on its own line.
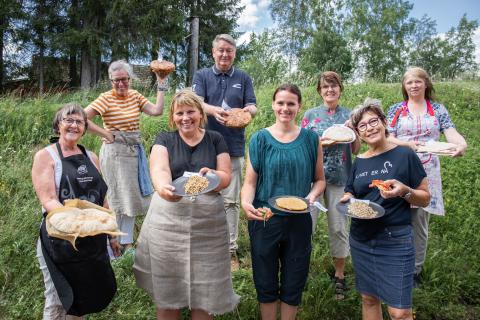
<point x="154" y="56"/>
<point x="193" y="49"/>
<point x="2" y="28"/>
<point x="86" y="68"/>
<point x="41" y="62"/>
<point x="72" y="65"/>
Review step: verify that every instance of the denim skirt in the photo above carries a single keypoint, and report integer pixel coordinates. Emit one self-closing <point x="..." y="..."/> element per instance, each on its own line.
<point x="384" y="266"/>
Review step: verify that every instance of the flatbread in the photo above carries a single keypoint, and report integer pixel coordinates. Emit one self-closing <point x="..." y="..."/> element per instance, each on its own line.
<point x="339" y="134"/>
<point x="437" y="147"/>
<point x="290" y="203"/>
<point x="70" y="222"/>
<point x="83" y="221"/>
<point x="163" y="67"/>
<point x="238" y="118"/>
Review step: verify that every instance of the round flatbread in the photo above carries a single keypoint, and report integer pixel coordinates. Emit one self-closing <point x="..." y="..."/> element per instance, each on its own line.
<point x="163" y="67"/>
<point x="339" y="134"/>
<point x="238" y="118"/>
<point x="83" y="221"/>
<point x="290" y="203"/>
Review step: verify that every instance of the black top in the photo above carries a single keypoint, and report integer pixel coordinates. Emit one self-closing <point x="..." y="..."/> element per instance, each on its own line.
<point x="400" y="163"/>
<point x="183" y="157"/>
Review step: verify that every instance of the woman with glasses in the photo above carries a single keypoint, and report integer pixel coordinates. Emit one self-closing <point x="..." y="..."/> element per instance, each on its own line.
<point x="77" y="282"/>
<point x="122" y="156"/>
<point x="382" y="249"/>
<point x="337" y="163"/>
<point x="414" y="121"/>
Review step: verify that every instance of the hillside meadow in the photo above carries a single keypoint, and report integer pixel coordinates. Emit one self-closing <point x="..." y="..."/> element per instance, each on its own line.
<point x="451" y="275"/>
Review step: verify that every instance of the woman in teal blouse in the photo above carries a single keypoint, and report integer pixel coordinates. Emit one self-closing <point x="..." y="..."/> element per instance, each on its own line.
<point x="284" y="159"/>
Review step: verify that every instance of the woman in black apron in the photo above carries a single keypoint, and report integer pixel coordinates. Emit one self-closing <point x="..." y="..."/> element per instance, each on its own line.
<point x="76" y="282"/>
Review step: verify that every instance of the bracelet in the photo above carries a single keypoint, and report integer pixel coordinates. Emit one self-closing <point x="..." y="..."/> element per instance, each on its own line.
<point x="162" y="87"/>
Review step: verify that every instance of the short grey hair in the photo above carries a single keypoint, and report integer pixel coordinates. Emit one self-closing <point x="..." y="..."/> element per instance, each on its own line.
<point x="121" y="65"/>
<point x="66" y="110"/>
<point x="369" y="105"/>
<point x="225" y="37"/>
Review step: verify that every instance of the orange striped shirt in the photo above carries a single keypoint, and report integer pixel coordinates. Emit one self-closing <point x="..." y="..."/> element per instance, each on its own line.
<point x="120" y="113"/>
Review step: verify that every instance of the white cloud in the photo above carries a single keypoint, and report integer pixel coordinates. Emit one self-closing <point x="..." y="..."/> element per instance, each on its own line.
<point x="249" y="17"/>
<point x="263" y="4"/>
<point x="244" y="38"/>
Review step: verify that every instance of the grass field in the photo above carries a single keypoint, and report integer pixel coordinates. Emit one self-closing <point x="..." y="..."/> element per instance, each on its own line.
<point x="452" y="278"/>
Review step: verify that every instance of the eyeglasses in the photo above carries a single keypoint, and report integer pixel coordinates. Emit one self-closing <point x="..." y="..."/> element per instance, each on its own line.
<point x="372" y="123"/>
<point x="117" y="81"/>
<point x="71" y="121"/>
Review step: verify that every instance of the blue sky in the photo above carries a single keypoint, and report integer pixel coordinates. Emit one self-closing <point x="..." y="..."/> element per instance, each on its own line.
<point x="447" y="13"/>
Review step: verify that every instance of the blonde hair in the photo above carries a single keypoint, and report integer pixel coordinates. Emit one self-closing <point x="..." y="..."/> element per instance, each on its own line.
<point x="422" y="74"/>
<point x="186" y="97"/>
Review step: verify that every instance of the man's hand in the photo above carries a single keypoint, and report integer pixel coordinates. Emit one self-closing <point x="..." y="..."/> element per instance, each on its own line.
<point x="220" y="115"/>
<point x="252" y="109"/>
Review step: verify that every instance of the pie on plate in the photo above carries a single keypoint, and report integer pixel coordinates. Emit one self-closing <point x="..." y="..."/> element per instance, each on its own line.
<point x="238" y="118"/>
<point x="163" y="67"/>
<point x="380" y="184"/>
<point x="339" y="134"/>
<point x="291" y="203"/>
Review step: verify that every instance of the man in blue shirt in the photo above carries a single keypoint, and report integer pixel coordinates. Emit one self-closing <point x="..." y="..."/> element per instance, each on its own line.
<point x="222" y="88"/>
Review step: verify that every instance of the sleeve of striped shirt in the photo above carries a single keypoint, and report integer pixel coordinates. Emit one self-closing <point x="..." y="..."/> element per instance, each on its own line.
<point x="142" y="101"/>
<point x="100" y="104"/>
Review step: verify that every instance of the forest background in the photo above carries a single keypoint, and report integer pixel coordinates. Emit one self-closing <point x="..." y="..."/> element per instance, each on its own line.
<point x="370" y="42"/>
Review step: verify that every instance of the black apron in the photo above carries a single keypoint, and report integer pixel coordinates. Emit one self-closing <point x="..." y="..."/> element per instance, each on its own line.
<point x="84" y="279"/>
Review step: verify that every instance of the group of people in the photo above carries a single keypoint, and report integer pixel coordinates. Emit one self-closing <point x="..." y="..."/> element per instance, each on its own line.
<point x="187" y="246"/>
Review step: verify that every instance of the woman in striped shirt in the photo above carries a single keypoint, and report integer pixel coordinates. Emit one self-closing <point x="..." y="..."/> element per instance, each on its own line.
<point x="122" y="156"/>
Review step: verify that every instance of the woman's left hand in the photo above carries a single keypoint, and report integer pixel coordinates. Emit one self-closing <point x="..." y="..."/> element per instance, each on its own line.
<point x="459" y="151"/>
<point x="398" y="189"/>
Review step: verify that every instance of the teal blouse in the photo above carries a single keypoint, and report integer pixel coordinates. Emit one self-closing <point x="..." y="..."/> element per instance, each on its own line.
<point x="282" y="168"/>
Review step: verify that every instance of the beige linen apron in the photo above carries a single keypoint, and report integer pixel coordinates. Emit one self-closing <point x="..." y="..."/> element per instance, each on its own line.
<point x="119" y="163"/>
<point x="182" y="258"/>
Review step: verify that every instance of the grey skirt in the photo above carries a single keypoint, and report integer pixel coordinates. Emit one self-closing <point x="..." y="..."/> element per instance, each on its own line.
<point x="182" y="258"/>
<point x="119" y="163"/>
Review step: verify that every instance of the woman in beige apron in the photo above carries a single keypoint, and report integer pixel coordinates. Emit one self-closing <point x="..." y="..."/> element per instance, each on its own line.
<point x="122" y="156"/>
<point x="182" y="258"/>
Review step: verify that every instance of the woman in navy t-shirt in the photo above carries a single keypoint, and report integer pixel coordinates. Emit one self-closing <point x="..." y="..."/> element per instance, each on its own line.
<point x="382" y="249"/>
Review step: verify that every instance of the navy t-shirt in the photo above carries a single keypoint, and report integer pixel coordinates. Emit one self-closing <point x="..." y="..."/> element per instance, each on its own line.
<point x="183" y="157"/>
<point x="233" y="89"/>
<point x="400" y="163"/>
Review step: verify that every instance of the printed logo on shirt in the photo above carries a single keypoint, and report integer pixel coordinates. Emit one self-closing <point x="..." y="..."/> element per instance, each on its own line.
<point x="237" y="86"/>
<point x="193" y="87"/>
<point x="82" y="169"/>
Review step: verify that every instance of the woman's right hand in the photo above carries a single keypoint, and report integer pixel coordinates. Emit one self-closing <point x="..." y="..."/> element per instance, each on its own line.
<point x="251" y="212"/>
<point x="166" y="192"/>
<point x="108" y="138"/>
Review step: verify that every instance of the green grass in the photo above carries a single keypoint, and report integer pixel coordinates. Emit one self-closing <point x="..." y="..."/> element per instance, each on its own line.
<point x="452" y="278"/>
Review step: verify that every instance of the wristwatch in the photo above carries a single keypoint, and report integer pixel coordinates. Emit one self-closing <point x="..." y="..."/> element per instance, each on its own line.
<point x="407" y="195"/>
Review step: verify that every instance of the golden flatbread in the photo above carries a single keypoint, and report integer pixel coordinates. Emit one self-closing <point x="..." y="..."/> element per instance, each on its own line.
<point x="339" y="134"/>
<point x="238" y="118"/>
<point x="69" y="222"/>
<point x="291" y="203"/>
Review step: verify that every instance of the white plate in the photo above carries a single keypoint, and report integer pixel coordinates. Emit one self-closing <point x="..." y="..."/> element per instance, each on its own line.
<point x="352" y="133"/>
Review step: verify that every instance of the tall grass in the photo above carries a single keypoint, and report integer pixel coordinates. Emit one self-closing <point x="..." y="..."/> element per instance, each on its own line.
<point x="452" y="278"/>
